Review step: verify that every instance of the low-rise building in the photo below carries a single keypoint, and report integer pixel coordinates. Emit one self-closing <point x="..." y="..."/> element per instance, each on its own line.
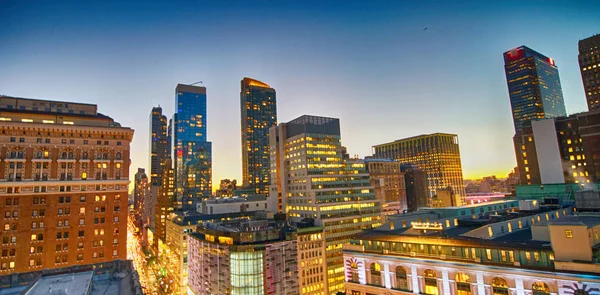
<point x="517" y="252"/>
<point x="232" y="204"/>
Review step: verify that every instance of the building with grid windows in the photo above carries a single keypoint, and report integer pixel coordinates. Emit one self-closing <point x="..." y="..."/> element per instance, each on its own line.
<point x="193" y="153"/>
<point x="518" y="250"/>
<point x="388" y="182"/>
<point x="311" y="178"/>
<point x="533" y="86"/>
<point x="243" y="257"/>
<point x="64" y="173"/>
<point x="258" y="108"/>
<point x="437" y="154"/>
<point x="589" y="64"/>
<point x="159" y="145"/>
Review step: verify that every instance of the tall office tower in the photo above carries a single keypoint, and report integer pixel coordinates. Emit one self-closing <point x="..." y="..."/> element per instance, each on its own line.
<point x="388" y="181"/>
<point x="258" y="110"/>
<point x="193" y="154"/>
<point x="438" y="154"/>
<point x="243" y="257"/>
<point x="311" y="179"/>
<point x="415" y="180"/>
<point x="533" y="86"/>
<point x="560" y="150"/>
<point x="165" y="203"/>
<point x="63" y="185"/>
<point x="589" y="63"/>
<point x="159" y="146"/>
<point x="140" y="191"/>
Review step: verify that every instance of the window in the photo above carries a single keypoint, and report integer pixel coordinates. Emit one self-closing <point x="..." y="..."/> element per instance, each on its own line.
<point x="81" y="233"/>
<point x="569" y="234"/>
<point x="503" y="255"/>
<point x="79" y="256"/>
<point x="82" y="210"/>
<point x="81" y="221"/>
<point x="401" y="278"/>
<point x="431" y="287"/>
<point x="540" y="288"/>
<point x="376" y="274"/>
<point x="488" y="254"/>
<point x="499" y="286"/>
<point x="463" y="284"/>
<point x="528" y="256"/>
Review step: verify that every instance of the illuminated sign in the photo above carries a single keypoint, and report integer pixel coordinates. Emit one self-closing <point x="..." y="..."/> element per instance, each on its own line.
<point x="427" y="225"/>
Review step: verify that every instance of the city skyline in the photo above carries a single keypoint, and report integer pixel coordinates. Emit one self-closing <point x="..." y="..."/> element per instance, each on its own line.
<point x="388" y="83"/>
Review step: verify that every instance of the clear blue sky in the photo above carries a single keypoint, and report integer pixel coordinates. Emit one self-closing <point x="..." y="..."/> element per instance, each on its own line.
<point x="370" y="64"/>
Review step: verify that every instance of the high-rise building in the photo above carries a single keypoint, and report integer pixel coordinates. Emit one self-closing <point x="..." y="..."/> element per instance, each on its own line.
<point x="258" y="107"/>
<point x="387" y="180"/>
<point x="226" y="188"/>
<point x="589" y="64"/>
<point x="415" y="180"/>
<point x="311" y="254"/>
<point x="140" y="192"/>
<point x="243" y="257"/>
<point x="63" y="185"/>
<point x="311" y="179"/>
<point x="438" y="154"/>
<point x="193" y="153"/>
<point x="533" y="86"/>
<point x="159" y="146"/>
<point x="164" y="203"/>
<point x="560" y="150"/>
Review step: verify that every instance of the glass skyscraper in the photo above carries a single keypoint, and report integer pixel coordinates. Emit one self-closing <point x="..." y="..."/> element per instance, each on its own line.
<point x="258" y="110"/>
<point x="589" y="64"/>
<point x="193" y="153"/>
<point x="533" y="86"/>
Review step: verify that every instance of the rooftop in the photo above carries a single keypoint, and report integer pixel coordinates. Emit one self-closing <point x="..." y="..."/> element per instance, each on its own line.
<point x="437" y="134"/>
<point x="71" y="284"/>
<point x="253" y="82"/>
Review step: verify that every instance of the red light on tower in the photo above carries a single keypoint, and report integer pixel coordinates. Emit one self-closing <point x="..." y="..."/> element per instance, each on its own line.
<point x="179" y="152"/>
<point x="551" y="60"/>
<point x="514" y="53"/>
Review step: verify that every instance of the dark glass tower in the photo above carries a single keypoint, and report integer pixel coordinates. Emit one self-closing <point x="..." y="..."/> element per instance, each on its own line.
<point x="193" y="154"/>
<point x="258" y="110"/>
<point x="589" y="64"/>
<point x="159" y="146"/>
<point x="533" y="86"/>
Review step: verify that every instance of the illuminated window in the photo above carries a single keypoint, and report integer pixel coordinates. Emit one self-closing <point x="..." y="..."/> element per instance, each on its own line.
<point x="490" y="231"/>
<point x="569" y="234"/>
<point x="488" y="254"/>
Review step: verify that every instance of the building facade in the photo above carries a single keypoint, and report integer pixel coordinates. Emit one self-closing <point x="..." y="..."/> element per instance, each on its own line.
<point x="64" y="174"/>
<point x="243" y="257"/>
<point x="524" y="253"/>
<point x="560" y="150"/>
<point x="140" y="191"/>
<point x="193" y="153"/>
<point x="437" y="154"/>
<point x="415" y="180"/>
<point x="258" y="108"/>
<point x="312" y="277"/>
<point x="165" y="204"/>
<point x="388" y="183"/>
<point x="533" y="86"/>
<point x="311" y="179"/>
<point x="159" y="145"/>
<point x="589" y="64"/>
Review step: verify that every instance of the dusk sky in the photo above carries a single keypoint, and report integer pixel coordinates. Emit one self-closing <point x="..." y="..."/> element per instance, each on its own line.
<point x="370" y="64"/>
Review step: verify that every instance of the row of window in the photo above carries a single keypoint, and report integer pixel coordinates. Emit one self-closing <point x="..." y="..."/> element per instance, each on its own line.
<point x="63" y="141"/>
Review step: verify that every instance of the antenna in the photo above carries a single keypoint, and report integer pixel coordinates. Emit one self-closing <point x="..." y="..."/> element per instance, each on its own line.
<point x="199" y="82"/>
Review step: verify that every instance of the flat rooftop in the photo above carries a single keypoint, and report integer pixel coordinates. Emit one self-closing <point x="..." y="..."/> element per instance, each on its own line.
<point x="71" y="284"/>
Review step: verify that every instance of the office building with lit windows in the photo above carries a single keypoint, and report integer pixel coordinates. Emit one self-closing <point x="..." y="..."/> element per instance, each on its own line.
<point x="310" y="178"/>
<point x="159" y="146"/>
<point x="258" y="108"/>
<point x="560" y="150"/>
<point x="437" y="154"/>
<point x="64" y="176"/>
<point x="533" y="86"/>
<point x="193" y="153"/>
<point x="312" y="276"/>
<point x="243" y="257"/>
<point x="164" y="204"/>
<point x="140" y="192"/>
<point x="520" y="250"/>
<point x="387" y="180"/>
<point x="589" y="64"/>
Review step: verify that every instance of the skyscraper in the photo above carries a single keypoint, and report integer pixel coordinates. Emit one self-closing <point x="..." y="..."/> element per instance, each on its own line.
<point x="310" y="178"/>
<point x="159" y="147"/>
<point x="63" y="185"/>
<point x="415" y="181"/>
<point x="140" y="192"/>
<point x="533" y="86"/>
<point x="258" y="110"/>
<point x="589" y="64"/>
<point x="438" y="154"/>
<point x="193" y="153"/>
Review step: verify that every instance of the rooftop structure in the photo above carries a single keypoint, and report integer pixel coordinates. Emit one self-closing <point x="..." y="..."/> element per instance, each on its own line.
<point x="69" y="283"/>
